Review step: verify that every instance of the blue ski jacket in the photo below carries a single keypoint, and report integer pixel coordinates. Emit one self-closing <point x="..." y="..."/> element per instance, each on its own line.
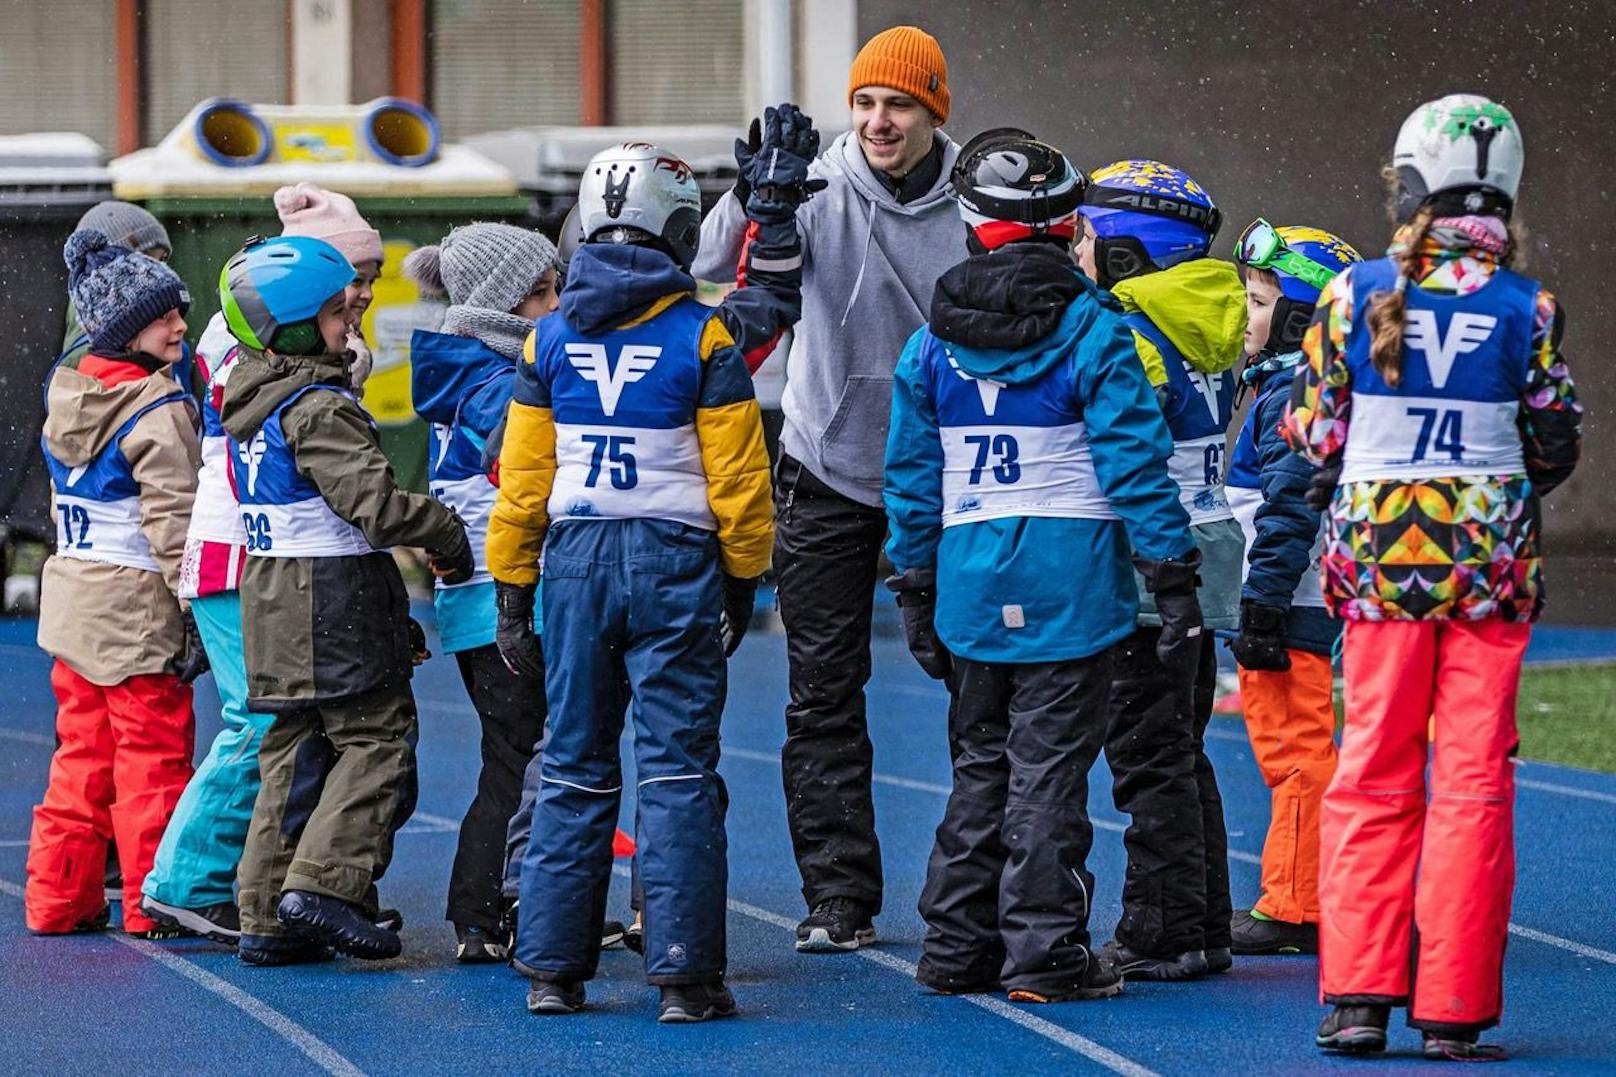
<point x="1022" y="475"/>
<point x="1267" y="485"/>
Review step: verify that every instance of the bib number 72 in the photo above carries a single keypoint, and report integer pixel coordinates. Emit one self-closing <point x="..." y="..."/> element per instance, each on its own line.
<point x="75" y="516"/>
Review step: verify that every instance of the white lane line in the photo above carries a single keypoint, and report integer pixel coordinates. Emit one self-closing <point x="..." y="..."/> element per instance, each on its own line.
<point x="25" y="737"/>
<point x="427" y="823"/>
<point x="1066" y="1038"/>
<point x="1570" y="945"/>
<point x="315" y="1049"/>
<point x="1578" y="948"/>
<point x="14" y="843"/>
<point x="1566" y="790"/>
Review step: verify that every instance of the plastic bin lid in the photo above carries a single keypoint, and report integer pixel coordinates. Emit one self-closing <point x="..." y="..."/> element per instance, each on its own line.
<point x="553" y="158"/>
<point x="54" y="167"/>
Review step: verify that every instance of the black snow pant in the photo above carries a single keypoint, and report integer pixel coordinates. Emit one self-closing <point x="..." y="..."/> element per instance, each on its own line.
<point x="826" y="553"/>
<point x="1008" y="891"/>
<point x="1175" y="896"/>
<point x="511" y="709"/>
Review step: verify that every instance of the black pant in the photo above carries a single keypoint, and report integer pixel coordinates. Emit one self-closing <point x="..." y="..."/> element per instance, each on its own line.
<point x="1175" y="896"/>
<point x="1214" y="835"/>
<point x="1008" y="890"/>
<point x="826" y="551"/>
<point x="512" y="709"/>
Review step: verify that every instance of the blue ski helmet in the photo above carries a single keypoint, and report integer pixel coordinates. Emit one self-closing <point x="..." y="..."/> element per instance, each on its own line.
<point x="1303" y="260"/>
<point x="271" y="289"/>
<point x="1147" y="216"/>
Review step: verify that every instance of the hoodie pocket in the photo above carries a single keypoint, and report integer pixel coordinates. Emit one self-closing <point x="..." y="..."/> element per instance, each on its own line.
<point x="854" y="445"/>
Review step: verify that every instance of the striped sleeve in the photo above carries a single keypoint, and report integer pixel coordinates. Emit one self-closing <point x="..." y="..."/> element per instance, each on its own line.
<point x="527" y="469"/>
<point x="729" y="429"/>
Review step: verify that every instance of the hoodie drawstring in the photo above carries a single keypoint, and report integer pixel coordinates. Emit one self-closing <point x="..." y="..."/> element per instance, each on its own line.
<point x="864" y="259"/>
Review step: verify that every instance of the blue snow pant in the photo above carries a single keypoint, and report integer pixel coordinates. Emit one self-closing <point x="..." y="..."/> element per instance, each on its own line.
<point x="197" y="858"/>
<point x="634" y="601"/>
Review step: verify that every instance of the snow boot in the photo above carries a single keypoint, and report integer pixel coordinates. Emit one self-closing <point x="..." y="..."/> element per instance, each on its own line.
<point x="1189" y="965"/>
<point x="548" y="997"/>
<point x="1256" y="935"/>
<point x="270" y="950"/>
<point x="1460" y="1047"/>
<point x="1354" y="1030"/>
<point x="689" y="1003"/>
<point x="220" y="923"/>
<point x="338" y="924"/>
<point x="1100" y="979"/>
<point x="478" y="946"/>
<point x="835" y="925"/>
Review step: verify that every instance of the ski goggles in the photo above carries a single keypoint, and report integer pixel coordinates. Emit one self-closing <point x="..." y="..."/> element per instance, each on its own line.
<point x="1261" y="246"/>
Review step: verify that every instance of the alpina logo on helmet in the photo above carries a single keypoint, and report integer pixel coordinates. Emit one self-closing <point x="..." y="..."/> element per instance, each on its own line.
<point x="1149" y="203"/>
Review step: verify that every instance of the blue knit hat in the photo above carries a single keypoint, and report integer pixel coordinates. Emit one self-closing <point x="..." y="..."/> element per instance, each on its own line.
<point x="116" y="291"/>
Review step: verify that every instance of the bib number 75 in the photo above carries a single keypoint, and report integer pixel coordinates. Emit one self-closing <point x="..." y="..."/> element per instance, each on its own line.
<point x="611" y="454"/>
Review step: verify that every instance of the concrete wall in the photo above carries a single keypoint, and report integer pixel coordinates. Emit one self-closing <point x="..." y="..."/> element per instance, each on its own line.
<point x="1290" y="110"/>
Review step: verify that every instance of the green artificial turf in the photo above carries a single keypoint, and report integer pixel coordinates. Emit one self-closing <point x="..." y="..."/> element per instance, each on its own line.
<point x="1567" y="715"/>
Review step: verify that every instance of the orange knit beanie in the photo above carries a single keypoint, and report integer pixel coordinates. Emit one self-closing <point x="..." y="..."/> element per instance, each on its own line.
<point x="903" y="58"/>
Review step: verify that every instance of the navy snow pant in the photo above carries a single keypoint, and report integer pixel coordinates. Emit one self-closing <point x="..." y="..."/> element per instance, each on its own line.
<point x="633" y="600"/>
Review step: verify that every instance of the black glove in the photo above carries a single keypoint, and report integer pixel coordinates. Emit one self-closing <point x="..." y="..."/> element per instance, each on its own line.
<point x="456" y="564"/>
<point x="740" y="597"/>
<point x="744" y="152"/>
<point x="1261" y="642"/>
<point x="418" y="651"/>
<point x="1173" y="584"/>
<point x="1321" y="489"/>
<point x="917" y="602"/>
<point x="192" y="661"/>
<point x="513" y="634"/>
<point x="778" y="172"/>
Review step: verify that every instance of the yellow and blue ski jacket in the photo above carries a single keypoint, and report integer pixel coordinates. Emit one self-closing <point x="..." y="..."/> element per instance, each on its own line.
<point x="633" y="401"/>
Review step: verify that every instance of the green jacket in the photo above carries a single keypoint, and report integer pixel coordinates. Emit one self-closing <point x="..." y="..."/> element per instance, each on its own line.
<point x="322" y="629"/>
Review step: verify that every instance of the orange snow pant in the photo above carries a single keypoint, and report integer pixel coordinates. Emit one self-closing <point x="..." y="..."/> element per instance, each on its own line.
<point x="124" y="759"/>
<point x="1290" y="718"/>
<point x="1405" y="877"/>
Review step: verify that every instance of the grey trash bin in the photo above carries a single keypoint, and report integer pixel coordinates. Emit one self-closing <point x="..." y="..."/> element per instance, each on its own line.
<point x="47" y="181"/>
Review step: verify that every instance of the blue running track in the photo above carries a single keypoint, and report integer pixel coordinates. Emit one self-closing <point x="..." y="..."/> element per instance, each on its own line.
<point x="91" y="1003"/>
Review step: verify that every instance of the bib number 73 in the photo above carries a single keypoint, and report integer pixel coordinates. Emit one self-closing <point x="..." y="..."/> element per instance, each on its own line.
<point x="996" y="454"/>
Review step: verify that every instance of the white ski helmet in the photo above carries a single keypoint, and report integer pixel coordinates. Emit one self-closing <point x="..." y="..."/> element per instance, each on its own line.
<point x="1464" y="152"/>
<point x="636" y="190"/>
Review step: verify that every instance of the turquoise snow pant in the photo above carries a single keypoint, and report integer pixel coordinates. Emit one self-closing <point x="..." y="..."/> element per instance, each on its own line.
<point x="196" y="861"/>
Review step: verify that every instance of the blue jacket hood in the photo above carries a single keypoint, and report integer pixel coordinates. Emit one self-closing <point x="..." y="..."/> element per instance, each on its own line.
<point x="1016" y="366"/>
<point x="611" y="283"/>
<point x="444" y="368"/>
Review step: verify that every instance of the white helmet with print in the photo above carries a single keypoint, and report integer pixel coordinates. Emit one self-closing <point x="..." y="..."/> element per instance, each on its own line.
<point x="1462" y="154"/>
<point x="636" y="192"/>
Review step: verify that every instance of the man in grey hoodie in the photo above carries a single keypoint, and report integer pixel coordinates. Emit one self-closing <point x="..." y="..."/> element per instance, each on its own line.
<point x="874" y="243"/>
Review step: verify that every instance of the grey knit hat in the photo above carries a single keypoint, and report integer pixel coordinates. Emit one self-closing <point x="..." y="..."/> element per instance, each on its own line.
<point x="117" y="291"/>
<point x="485" y="265"/>
<point x="127" y="225"/>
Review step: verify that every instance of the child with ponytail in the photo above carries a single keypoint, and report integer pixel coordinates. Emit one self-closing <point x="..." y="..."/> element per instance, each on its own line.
<point x="1437" y="403"/>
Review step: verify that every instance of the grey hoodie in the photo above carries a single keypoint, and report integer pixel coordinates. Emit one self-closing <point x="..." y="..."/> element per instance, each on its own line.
<point x="869" y="266"/>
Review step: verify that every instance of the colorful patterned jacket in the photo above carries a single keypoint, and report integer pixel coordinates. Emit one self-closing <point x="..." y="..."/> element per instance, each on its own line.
<point x="1407" y="541"/>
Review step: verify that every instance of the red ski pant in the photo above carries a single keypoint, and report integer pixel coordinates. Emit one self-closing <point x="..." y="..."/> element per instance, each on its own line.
<point x="1405" y="875"/>
<point x="124" y="759"/>
<point x="1290" y="717"/>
